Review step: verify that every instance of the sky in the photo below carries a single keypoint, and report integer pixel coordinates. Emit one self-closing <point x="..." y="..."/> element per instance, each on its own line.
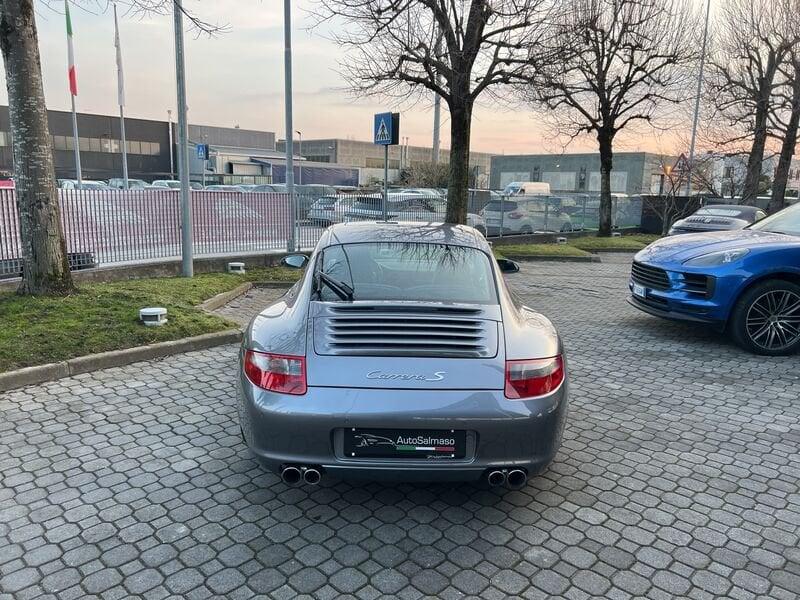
<point x="236" y="77"/>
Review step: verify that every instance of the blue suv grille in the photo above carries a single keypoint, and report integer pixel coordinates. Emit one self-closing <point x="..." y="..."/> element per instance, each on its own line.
<point x="651" y="277"/>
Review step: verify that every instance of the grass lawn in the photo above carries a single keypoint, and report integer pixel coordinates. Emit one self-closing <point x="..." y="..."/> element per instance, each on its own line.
<point x="537" y="250"/>
<point x="104" y="316"/>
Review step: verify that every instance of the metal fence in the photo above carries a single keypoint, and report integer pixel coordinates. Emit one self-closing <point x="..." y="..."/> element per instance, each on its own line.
<point x="105" y="227"/>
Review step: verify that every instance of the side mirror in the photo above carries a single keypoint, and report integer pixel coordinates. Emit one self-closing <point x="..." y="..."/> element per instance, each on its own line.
<point x="294" y="261"/>
<point x="507" y="266"/>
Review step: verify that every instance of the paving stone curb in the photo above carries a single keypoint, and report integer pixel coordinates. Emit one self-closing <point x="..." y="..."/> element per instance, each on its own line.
<point x="546" y="258"/>
<point x="222" y="299"/>
<point x="114" y="358"/>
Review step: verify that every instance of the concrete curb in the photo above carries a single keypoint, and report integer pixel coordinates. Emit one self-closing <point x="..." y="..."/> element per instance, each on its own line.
<point x="548" y="258"/>
<point x="114" y="358"/>
<point x="222" y="299"/>
<point x="614" y="251"/>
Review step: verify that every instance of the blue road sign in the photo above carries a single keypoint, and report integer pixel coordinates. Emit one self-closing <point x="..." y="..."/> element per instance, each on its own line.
<point x="202" y="151"/>
<point x="383" y="131"/>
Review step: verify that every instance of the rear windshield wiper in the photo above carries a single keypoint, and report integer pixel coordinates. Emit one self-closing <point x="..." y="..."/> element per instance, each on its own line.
<point x="340" y="288"/>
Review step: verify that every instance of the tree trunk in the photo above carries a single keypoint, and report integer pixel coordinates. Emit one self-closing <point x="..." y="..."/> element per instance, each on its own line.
<point x="44" y="256"/>
<point x="458" y="186"/>
<point x="606" y="162"/>
<point x="756" y="158"/>
<point x="777" y="202"/>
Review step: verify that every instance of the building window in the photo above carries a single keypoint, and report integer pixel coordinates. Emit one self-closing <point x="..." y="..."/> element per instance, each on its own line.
<point x="5" y="138"/>
<point x="134" y="147"/>
<point x="318" y="158"/>
<point x="59" y="142"/>
<point x="374" y="163"/>
<point x="84" y="144"/>
<point x="95" y="145"/>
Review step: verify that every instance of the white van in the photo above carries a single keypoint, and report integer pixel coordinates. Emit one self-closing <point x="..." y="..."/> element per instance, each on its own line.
<point x="527" y="188"/>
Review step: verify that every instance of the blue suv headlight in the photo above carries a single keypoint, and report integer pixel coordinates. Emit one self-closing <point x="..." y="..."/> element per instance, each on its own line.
<point x="714" y="259"/>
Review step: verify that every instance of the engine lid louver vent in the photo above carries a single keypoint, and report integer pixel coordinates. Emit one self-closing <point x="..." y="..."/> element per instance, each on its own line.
<point x="403" y="330"/>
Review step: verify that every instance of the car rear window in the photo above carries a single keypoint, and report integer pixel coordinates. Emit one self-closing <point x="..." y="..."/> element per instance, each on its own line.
<point x="507" y="206"/>
<point x="408" y="271"/>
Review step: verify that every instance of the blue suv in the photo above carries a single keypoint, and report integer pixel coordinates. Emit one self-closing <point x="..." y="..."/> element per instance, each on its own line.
<point x="744" y="282"/>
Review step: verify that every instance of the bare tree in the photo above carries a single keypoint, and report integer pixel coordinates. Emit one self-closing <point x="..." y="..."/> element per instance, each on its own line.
<point x="44" y="254"/>
<point x="620" y="61"/>
<point x="666" y="205"/>
<point x="753" y="38"/>
<point x="393" y="51"/>
<point x="718" y="174"/>
<point x="786" y="120"/>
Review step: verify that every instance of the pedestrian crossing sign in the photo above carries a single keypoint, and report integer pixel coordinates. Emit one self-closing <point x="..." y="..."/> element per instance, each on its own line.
<point x="387" y="129"/>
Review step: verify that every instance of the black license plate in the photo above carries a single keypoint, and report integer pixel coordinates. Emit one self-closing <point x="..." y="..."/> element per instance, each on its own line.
<point x="405" y="443"/>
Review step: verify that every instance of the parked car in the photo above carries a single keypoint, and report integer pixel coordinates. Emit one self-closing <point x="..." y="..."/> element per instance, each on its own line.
<point x="370" y="207"/>
<point x="174" y="184"/>
<point x="323" y="211"/>
<point x="525" y="215"/>
<point x="86" y="184"/>
<point x="434" y="210"/>
<point x="745" y="282"/>
<point x="224" y="188"/>
<point x="278" y="188"/>
<point x="401" y="354"/>
<point x="718" y="217"/>
<point x="133" y="184"/>
<point x="167" y="183"/>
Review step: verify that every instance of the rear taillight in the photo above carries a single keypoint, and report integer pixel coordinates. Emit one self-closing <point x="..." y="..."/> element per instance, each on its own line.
<point x="533" y="378"/>
<point x="276" y="372"/>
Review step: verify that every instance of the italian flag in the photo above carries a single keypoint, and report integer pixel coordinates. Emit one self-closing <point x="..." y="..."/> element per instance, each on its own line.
<point x="73" y="77"/>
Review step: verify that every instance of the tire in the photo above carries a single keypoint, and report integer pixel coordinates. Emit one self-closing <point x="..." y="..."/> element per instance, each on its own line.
<point x="766" y="318"/>
<point x="567" y="227"/>
<point x="526" y="230"/>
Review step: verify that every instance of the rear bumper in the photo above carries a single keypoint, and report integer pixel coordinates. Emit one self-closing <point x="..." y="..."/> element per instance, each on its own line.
<point x="309" y="429"/>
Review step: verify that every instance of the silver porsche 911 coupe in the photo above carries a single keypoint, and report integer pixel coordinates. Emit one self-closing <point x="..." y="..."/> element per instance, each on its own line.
<point x="401" y="354"/>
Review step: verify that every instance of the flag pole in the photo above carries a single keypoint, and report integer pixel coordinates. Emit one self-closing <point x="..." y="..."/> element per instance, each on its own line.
<point x="73" y="91"/>
<point x="121" y="98"/>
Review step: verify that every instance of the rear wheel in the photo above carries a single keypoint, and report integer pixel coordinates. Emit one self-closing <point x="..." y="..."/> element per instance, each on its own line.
<point x="766" y="319"/>
<point x="526" y="229"/>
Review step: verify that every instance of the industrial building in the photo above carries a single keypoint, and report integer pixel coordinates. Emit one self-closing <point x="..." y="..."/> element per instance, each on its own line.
<point x="235" y="155"/>
<point x="633" y="172"/>
<point x="368" y="158"/>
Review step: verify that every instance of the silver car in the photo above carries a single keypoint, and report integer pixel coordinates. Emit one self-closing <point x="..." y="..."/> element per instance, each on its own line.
<point x="401" y="354"/>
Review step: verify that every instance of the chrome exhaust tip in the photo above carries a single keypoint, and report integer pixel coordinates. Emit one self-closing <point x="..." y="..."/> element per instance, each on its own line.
<point x="311" y="476"/>
<point x="516" y="478"/>
<point x="496" y="478"/>
<point x="291" y="475"/>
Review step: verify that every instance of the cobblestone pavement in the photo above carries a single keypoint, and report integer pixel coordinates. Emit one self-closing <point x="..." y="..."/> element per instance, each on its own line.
<point x="679" y="477"/>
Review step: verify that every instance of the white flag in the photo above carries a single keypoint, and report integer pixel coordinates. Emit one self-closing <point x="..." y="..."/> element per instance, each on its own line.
<point x="120" y="76"/>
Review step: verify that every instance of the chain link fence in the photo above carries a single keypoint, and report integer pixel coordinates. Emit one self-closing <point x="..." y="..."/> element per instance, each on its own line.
<point x="108" y="227"/>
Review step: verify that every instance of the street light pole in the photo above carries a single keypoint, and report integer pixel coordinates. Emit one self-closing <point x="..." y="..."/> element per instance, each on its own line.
<point x="171" y="143"/>
<point x="697" y="100"/>
<point x="287" y="73"/>
<point x="187" y="266"/>
<point x="300" y="153"/>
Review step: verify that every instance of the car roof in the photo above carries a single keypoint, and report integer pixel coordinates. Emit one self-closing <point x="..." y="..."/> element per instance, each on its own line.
<point x="393" y="231"/>
<point x="741" y="207"/>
